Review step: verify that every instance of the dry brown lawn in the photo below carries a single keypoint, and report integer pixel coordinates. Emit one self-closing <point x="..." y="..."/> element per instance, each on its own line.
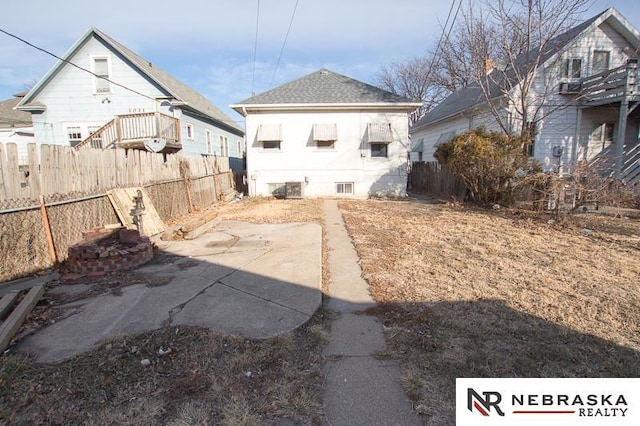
<point x="206" y="379"/>
<point x="475" y="293"/>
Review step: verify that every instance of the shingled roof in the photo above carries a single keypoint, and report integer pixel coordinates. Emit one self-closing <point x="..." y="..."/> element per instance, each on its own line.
<point x="326" y="87"/>
<point x="173" y="87"/>
<point x="10" y="118"/>
<point x="472" y="95"/>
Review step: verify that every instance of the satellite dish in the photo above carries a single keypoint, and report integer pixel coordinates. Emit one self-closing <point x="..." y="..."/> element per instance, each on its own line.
<point x="155" y="144"/>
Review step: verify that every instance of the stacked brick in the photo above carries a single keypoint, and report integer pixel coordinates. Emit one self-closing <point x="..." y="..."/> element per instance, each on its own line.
<point x="108" y="250"/>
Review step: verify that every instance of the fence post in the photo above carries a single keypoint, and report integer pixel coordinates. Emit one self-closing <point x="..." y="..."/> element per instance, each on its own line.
<point x="47" y="231"/>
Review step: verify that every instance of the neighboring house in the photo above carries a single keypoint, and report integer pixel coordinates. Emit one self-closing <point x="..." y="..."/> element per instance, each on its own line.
<point x="587" y="80"/>
<point x="327" y="135"/>
<point x="15" y="126"/>
<point x="125" y="101"/>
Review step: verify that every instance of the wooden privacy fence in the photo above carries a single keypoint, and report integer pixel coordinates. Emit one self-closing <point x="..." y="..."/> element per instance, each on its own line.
<point x="46" y="205"/>
<point x="433" y="178"/>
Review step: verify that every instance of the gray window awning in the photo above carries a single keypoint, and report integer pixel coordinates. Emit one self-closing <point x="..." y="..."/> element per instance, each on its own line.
<point x="379" y="133"/>
<point x="446" y="137"/>
<point x="269" y="132"/>
<point x="325" y="132"/>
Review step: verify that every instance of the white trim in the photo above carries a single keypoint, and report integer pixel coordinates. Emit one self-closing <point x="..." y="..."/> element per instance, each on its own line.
<point x="208" y="140"/>
<point x="193" y="131"/>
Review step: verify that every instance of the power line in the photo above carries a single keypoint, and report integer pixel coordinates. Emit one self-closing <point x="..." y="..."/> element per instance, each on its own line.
<point x="255" y="50"/>
<point x="444" y="30"/>
<point x="102" y="77"/>
<point x="293" y="15"/>
<point x="75" y="65"/>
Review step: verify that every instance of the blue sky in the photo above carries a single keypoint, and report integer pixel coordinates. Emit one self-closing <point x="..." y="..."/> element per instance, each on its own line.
<point x="209" y="44"/>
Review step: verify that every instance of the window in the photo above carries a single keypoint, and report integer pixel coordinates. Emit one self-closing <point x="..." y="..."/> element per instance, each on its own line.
<point x="378" y="149"/>
<point x="325" y="144"/>
<point x="325" y="135"/>
<point x="603" y="133"/>
<point x="600" y="61"/>
<point x="571" y="68"/>
<point x="74" y="135"/>
<point x="271" y="145"/>
<point x="207" y="135"/>
<point x="190" y="133"/>
<point x="529" y="149"/>
<point x="344" y="188"/>
<point x="101" y="71"/>
<point x="240" y="150"/>
<point x="224" y="146"/>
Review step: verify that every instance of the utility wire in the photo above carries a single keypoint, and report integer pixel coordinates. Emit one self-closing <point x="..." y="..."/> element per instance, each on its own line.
<point x="444" y="30"/>
<point x="255" y="50"/>
<point x="75" y="65"/>
<point x="99" y="76"/>
<point x="293" y="15"/>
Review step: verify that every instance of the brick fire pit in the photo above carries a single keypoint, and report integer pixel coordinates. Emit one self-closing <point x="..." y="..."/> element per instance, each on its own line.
<point x="109" y="250"/>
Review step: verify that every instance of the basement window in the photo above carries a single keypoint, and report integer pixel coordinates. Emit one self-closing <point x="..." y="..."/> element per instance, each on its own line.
<point x="344" y="188"/>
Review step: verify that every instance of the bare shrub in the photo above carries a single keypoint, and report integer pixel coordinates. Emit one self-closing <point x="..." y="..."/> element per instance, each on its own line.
<point x="487" y="162"/>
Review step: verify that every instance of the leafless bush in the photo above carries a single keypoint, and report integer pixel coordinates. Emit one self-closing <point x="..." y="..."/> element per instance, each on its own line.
<point x="583" y="188"/>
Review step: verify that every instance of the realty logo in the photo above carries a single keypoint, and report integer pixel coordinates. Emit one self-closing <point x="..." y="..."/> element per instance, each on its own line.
<point x="483" y="405"/>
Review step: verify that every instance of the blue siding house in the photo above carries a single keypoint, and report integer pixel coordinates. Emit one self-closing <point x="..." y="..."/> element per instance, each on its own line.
<point x="104" y="95"/>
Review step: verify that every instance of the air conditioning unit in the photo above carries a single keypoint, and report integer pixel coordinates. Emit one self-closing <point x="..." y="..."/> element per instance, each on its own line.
<point x="293" y="190"/>
<point x="567" y="88"/>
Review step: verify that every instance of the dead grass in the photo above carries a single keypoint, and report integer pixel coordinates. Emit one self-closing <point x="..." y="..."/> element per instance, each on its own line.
<point x="271" y="210"/>
<point x="474" y="293"/>
<point x="206" y="379"/>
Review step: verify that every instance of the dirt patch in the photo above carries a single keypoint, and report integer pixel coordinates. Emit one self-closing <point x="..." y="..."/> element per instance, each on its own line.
<point x="271" y="210"/>
<point x="474" y="293"/>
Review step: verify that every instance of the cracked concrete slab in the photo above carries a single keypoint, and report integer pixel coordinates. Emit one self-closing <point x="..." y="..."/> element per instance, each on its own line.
<point x="246" y="279"/>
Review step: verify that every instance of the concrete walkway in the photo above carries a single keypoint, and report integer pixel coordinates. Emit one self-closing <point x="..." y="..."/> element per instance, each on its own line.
<point x="359" y="389"/>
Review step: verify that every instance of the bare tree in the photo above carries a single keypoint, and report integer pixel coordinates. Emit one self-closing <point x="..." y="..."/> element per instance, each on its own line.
<point x="506" y="42"/>
<point x="413" y="79"/>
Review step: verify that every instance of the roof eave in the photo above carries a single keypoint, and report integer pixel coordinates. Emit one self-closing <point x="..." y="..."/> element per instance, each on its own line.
<point x="31" y="108"/>
<point x="243" y="109"/>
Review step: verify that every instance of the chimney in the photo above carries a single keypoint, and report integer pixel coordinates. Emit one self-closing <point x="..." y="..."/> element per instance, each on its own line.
<point x="488" y="66"/>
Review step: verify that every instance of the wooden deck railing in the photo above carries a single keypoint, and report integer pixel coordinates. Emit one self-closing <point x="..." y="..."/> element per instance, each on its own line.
<point x="611" y="86"/>
<point x="132" y="130"/>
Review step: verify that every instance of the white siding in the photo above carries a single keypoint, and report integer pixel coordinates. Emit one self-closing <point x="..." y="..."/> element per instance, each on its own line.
<point x="300" y="160"/>
<point x="559" y="127"/>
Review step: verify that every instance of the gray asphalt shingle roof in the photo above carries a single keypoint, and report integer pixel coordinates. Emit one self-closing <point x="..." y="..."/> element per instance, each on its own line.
<point x="325" y="87"/>
<point x="10" y="118"/>
<point x="472" y="95"/>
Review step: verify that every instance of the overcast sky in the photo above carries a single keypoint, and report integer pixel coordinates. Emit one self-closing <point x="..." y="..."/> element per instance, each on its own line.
<point x="209" y="44"/>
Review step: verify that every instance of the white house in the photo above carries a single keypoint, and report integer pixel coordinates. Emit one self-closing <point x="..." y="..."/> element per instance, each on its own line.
<point x="326" y="134"/>
<point x="104" y="90"/>
<point x="587" y="85"/>
<point x="15" y="126"/>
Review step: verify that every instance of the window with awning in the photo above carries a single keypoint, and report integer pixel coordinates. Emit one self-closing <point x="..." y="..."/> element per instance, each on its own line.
<point x="325" y="132"/>
<point x="269" y="132"/>
<point x="379" y="133"/>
